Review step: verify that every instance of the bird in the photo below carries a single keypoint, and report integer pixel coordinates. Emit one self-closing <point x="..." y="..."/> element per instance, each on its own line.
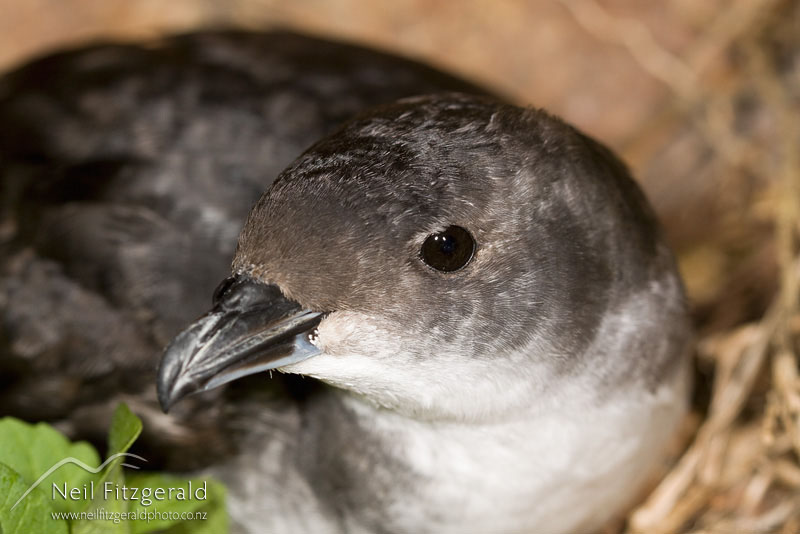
<point x="126" y="173"/>
<point x="496" y="330"/>
<point x="473" y="319"/>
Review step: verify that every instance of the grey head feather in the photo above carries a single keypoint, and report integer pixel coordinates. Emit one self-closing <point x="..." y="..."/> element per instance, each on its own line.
<point x="564" y="235"/>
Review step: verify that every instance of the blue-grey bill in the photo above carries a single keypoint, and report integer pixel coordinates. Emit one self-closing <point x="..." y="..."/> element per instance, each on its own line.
<point x="251" y="328"/>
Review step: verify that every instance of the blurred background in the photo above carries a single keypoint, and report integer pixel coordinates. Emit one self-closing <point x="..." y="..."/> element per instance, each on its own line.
<point x="679" y="88"/>
<point x="700" y="98"/>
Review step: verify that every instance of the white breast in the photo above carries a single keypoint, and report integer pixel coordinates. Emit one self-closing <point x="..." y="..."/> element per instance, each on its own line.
<point x="568" y="468"/>
<point x="567" y="471"/>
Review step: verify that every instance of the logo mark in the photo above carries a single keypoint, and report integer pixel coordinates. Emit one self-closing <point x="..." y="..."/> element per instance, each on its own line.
<point x="83" y="466"/>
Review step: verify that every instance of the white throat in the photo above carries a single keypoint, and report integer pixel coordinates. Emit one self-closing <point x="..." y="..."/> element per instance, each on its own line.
<point x="553" y="471"/>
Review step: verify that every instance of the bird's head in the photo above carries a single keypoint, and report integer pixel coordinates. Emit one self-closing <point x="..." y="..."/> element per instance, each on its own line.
<point x="447" y="257"/>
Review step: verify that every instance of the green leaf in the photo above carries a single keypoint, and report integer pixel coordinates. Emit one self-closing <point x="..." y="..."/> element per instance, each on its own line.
<point x="32" y="450"/>
<point x="27" y="452"/>
<point x="33" y="514"/>
<point x="125" y="428"/>
<point x="101" y="524"/>
<point x="207" y="508"/>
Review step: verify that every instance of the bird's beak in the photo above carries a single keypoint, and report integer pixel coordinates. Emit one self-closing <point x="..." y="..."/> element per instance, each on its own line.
<point x="251" y="328"/>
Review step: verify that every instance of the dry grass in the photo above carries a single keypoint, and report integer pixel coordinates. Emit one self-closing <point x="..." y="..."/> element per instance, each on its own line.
<point x="721" y="161"/>
<point x="739" y="470"/>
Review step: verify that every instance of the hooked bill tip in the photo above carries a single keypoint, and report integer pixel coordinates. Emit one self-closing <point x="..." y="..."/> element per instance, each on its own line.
<point x="171" y="387"/>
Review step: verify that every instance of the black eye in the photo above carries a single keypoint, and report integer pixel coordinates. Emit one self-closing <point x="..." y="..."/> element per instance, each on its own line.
<point x="449" y="250"/>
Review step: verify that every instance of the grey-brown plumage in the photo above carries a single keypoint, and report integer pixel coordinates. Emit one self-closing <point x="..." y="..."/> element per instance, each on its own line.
<point x="529" y="389"/>
<point x="126" y="172"/>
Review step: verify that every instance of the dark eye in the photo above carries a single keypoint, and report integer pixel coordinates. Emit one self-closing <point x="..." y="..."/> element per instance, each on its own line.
<point x="449" y="250"/>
